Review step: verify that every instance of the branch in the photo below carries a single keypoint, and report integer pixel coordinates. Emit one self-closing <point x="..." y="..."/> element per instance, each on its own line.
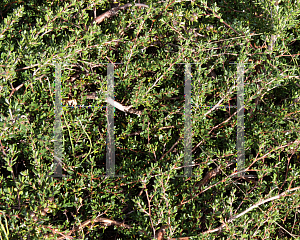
<point x="112" y="12"/>
<point x="123" y="108"/>
<point x="15" y="89"/>
<point x="170" y="148"/>
<point x="104" y="221"/>
<point x="251" y="208"/>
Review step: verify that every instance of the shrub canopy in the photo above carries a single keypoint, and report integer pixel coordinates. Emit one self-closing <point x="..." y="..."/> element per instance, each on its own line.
<point x="153" y="41"/>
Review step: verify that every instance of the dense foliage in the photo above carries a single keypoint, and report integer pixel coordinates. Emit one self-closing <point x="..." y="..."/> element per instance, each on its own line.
<point x="153" y="43"/>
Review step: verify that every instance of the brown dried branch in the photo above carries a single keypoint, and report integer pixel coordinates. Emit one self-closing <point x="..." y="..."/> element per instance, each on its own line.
<point x="122" y="107"/>
<point x="212" y="174"/>
<point x="112" y="12"/>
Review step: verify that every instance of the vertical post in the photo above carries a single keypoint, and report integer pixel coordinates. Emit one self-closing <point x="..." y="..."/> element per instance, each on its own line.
<point x="240" y="120"/>
<point x="187" y="122"/>
<point x="110" y="141"/>
<point x="58" y="147"/>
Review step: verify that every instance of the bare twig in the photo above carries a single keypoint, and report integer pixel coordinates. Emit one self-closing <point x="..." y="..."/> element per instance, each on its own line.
<point x="16" y="89"/>
<point x="103" y="221"/>
<point x="171" y="148"/>
<point x="2" y="147"/>
<point x="112" y="12"/>
<point x="162" y="75"/>
<point x="28" y="67"/>
<point x="123" y="108"/>
<point x="251" y="208"/>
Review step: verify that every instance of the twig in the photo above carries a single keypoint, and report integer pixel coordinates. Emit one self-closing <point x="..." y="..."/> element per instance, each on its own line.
<point x="215" y="127"/>
<point x="2" y="147"/>
<point x="123" y="108"/>
<point x="112" y="12"/>
<point x="170" y="149"/>
<point x="251" y="208"/>
<point x="24" y="68"/>
<point x="104" y="221"/>
<point x="16" y="89"/>
<point x="63" y="235"/>
<point x="162" y="75"/>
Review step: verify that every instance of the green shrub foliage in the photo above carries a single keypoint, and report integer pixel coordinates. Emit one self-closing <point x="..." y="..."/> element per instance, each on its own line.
<point x="153" y="42"/>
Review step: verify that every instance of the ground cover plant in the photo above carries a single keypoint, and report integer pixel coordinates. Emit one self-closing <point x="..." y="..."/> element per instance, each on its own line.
<point x="150" y="45"/>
